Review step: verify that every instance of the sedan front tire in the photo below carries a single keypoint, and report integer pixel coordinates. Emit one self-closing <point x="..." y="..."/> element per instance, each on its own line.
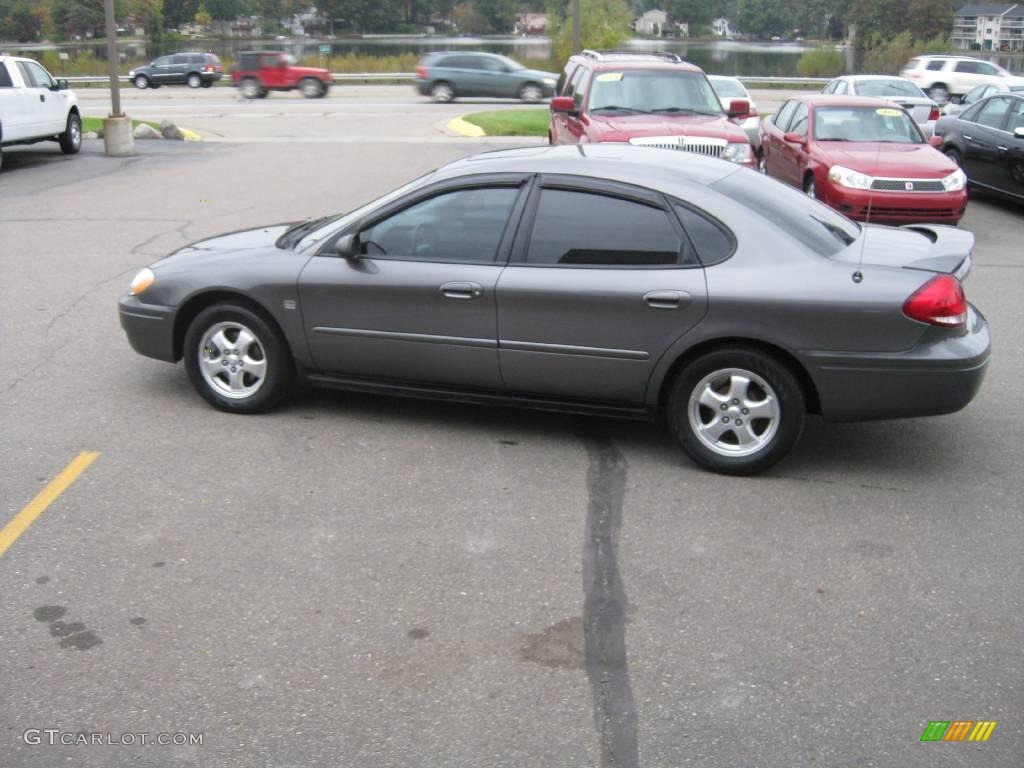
<point x="236" y="361"/>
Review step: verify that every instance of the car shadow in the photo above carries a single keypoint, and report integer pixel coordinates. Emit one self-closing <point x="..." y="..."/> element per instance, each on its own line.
<point x="32" y="156"/>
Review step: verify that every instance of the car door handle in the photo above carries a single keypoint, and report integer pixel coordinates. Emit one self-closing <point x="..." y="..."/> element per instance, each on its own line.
<point x="969" y="138"/>
<point x="1003" y="149"/>
<point x="667" y="299"/>
<point x="42" y="97"/>
<point x="462" y="290"/>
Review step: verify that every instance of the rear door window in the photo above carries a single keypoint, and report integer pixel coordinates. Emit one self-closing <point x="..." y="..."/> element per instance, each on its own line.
<point x="583" y="229"/>
<point x="992" y="112"/>
<point x="799" y="125"/>
<point x="936" y="64"/>
<point x="711" y="240"/>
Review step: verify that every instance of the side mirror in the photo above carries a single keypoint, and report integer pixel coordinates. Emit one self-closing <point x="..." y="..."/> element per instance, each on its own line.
<point x="738" y="108"/>
<point x="62" y="84"/>
<point x="935" y="141"/>
<point x="795" y="138"/>
<point x="1018" y="132"/>
<point x="347" y="246"/>
<point x="564" y="105"/>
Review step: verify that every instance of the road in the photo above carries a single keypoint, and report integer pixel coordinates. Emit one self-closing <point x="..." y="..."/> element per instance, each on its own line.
<point x="350" y="113"/>
<point x="361" y="581"/>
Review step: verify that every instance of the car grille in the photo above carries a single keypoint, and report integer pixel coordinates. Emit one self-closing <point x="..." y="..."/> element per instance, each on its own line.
<point x="908" y="185"/>
<point x="699" y="145"/>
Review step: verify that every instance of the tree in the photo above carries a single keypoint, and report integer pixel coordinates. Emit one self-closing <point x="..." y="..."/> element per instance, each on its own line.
<point x="603" y="24"/>
<point x="696" y="13"/>
<point x="500" y="15"/>
<point x="203" y="17"/>
<point x="22" y="21"/>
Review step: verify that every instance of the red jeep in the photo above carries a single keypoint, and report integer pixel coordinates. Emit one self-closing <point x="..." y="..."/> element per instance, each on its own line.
<point x="260" y="72"/>
<point x="646" y="99"/>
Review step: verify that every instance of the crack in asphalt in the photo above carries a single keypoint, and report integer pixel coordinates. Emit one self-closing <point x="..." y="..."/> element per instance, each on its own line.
<point x="604" y="606"/>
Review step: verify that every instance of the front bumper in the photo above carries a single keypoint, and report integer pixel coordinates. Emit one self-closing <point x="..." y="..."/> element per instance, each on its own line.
<point x="149" y="327"/>
<point x="935" y="377"/>
<point x="895" y="207"/>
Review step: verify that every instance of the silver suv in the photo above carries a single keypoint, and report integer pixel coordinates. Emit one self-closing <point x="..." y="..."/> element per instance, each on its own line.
<point x="944" y="76"/>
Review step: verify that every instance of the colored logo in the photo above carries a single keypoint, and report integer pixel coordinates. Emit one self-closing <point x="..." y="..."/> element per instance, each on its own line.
<point x="958" y="730"/>
<point x="909" y="186"/>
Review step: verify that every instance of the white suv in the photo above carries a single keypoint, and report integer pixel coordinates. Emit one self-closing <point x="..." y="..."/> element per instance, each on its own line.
<point x="35" y="107"/>
<point x="944" y="76"/>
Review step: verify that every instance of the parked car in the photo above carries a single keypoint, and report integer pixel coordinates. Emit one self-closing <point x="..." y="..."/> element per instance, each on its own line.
<point x="194" y="69"/>
<point x="649" y="100"/>
<point x="598" y="279"/>
<point x="35" y="107"/>
<point x="447" y="75"/>
<point x="976" y="94"/>
<point x="729" y="88"/>
<point x="260" y="72"/>
<point x="897" y="90"/>
<point x="943" y="77"/>
<point x="987" y="141"/>
<point x="865" y="158"/>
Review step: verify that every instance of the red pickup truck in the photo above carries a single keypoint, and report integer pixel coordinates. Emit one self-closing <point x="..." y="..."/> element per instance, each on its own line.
<point x="260" y="72"/>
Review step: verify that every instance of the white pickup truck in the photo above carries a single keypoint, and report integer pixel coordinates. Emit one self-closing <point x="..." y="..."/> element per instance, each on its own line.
<point x="35" y="107"/>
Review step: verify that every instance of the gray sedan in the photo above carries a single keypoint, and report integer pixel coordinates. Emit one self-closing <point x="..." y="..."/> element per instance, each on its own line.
<point x="599" y="279"/>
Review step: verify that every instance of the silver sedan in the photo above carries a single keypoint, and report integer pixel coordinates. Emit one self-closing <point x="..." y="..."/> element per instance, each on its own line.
<point x="898" y="90"/>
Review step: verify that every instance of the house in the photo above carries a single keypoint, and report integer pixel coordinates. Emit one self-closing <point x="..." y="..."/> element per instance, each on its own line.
<point x="720" y="27"/>
<point x="247" y="26"/>
<point x="989" y="27"/>
<point x="531" y="24"/>
<point x="651" y="23"/>
<point x="682" y="29"/>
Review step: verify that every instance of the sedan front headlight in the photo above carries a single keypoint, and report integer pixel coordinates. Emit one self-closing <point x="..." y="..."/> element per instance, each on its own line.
<point x="131" y="73"/>
<point x="737" y="152"/>
<point x="955" y="181"/>
<point x="846" y="177"/>
<point x="549" y="81"/>
<point x="141" y="281"/>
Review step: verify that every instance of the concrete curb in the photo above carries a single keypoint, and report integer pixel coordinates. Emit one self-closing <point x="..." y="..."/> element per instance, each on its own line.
<point x="460" y="127"/>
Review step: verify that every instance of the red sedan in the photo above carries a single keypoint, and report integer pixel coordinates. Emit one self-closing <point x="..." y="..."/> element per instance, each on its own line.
<point x="865" y="158"/>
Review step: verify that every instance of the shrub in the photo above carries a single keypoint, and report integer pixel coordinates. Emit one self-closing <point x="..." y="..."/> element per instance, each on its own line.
<point x="821" y="62"/>
<point x="603" y="24"/>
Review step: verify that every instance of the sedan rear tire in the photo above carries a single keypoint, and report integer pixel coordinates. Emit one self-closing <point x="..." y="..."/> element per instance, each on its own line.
<point x="736" y="412"/>
<point x="236" y="360"/>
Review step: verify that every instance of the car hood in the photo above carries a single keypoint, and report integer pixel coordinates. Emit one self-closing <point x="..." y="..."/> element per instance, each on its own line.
<point x="918" y="161"/>
<point x="309" y="72"/>
<point x="625" y="127"/>
<point x="243" y="241"/>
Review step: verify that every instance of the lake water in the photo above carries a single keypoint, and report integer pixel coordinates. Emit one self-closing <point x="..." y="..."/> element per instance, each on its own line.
<point x="717" y="57"/>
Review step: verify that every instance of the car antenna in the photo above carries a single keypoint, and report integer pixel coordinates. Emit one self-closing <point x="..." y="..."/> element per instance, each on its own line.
<point x="858" y="275"/>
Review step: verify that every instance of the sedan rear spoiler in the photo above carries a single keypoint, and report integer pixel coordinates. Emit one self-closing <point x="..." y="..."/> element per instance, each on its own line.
<point x="951" y="252"/>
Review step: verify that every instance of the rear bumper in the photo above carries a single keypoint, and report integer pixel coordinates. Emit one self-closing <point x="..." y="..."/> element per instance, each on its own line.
<point x="933" y="378"/>
<point x="423" y="87"/>
<point x="149" y="327"/>
<point x="897" y="207"/>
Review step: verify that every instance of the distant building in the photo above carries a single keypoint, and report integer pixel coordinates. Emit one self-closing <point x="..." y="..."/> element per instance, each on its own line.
<point x="682" y="29"/>
<point x="651" y="23"/>
<point x="531" y="24"/>
<point x="720" y="27"/>
<point x="247" y="26"/>
<point x="989" y="27"/>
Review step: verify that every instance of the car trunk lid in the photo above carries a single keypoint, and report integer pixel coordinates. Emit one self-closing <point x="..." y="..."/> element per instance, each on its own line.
<point x="926" y="247"/>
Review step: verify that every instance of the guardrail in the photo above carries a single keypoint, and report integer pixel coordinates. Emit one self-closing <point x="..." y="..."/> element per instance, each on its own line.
<point x="359" y="76"/>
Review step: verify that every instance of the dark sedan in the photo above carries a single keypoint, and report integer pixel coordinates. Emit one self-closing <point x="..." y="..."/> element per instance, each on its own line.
<point x="607" y="279"/>
<point x="196" y="70"/>
<point x="449" y="75"/>
<point x="987" y="141"/>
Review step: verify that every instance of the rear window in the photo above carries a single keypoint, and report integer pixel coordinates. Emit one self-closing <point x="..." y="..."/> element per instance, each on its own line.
<point x="729" y="88"/>
<point x="887" y="87"/>
<point x="812" y="223"/>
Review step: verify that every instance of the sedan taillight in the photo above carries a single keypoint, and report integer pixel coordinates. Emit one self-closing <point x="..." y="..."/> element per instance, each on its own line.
<point x="940" y="301"/>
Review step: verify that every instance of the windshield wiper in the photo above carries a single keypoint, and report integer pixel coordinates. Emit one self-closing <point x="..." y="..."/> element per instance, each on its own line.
<point x="687" y="110"/>
<point x="296" y="232"/>
<point x="620" y="109"/>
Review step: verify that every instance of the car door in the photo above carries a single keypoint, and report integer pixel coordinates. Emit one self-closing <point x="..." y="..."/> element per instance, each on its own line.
<point x="46" y="105"/>
<point x="771" y="139"/>
<point x="418" y="304"/>
<point x="495" y="79"/>
<point x="791" y="156"/>
<point x="599" y="287"/>
<point x="982" y="138"/>
<point x="161" y="70"/>
<point x="1011" y="151"/>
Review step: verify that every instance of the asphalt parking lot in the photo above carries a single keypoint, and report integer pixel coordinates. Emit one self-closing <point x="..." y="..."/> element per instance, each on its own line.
<point x="360" y="581"/>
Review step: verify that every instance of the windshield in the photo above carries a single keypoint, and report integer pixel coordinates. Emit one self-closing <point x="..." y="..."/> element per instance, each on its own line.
<point x="888" y="87"/>
<point x="868" y="124"/>
<point x="728" y="88"/>
<point x="653" y="91"/>
<point x="811" y="222"/>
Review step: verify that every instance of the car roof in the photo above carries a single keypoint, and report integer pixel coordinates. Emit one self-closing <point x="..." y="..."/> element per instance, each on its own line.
<point x="858" y="78"/>
<point x="601" y="61"/>
<point x="828" y="100"/>
<point x="667" y="170"/>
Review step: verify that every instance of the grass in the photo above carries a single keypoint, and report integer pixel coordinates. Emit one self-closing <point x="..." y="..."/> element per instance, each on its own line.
<point x="512" y="122"/>
<point x="95" y="124"/>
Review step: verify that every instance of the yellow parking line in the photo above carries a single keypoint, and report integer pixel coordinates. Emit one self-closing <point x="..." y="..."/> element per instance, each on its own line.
<point x="45" y="498"/>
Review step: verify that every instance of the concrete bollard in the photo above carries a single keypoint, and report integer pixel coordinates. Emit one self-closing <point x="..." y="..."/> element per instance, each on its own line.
<point x="118" y="140"/>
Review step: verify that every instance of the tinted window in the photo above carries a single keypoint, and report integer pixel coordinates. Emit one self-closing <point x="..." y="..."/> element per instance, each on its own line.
<point x="888" y="87"/>
<point x="197" y="58"/>
<point x="180" y="58"/>
<point x="465" y="225"/>
<point x="580" y="228"/>
<point x="992" y="112"/>
<point x="713" y="243"/>
<point x="1016" y="115"/>
<point x="936" y="65"/>
<point x="5" y="77"/>
<point x="784" y="115"/>
<point x="820" y="228"/>
<point x="461" y="62"/>
<point x="163" y="61"/>
<point x="799" y="120"/>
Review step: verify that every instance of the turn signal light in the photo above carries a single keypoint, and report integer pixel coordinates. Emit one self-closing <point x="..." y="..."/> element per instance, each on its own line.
<point x="940" y="301"/>
<point x="141" y="281"/>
